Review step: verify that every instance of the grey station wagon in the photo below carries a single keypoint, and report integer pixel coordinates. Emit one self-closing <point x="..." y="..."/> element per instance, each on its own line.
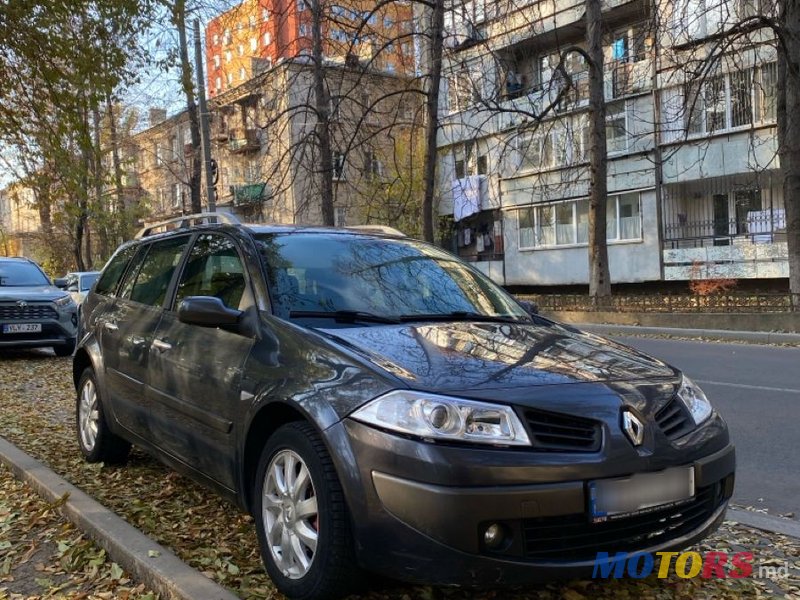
<point x="378" y="405"/>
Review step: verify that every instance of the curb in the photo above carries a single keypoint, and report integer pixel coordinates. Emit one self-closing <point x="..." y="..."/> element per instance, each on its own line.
<point x="766" y="522"/>
<point x="754" y="337"/>
<point x="149" y="562"/>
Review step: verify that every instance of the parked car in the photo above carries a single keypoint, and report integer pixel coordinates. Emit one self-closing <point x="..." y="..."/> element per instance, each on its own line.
<point x="377" y="404"/>
<point x="78" y="284"/>
<point x="33" y="312"/>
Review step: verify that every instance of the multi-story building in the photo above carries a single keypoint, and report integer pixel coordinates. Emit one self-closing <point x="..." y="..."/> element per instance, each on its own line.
<point x="256" y="34"/>
<point x="264" y="143"/>
<point x="692" y="183"/>
<point x="20" y="224"/>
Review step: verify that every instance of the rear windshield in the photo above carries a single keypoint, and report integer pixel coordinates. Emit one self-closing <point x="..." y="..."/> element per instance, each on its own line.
<point x="386" y="277"/>
<point x="19" y="274"/>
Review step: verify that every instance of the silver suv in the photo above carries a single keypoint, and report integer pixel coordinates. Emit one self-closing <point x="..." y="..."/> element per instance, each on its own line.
<point x="33" y="312"/>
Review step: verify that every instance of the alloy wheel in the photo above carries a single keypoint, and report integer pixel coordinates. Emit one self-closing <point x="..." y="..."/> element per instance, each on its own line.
<point x="88" y="415"/>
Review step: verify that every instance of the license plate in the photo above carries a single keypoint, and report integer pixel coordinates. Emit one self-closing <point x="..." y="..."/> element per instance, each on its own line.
<point x="22" y="328"/>
<point x="611" y="499"/>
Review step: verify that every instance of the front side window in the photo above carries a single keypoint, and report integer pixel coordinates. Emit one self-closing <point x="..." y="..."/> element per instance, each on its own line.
<point x="113" y="271"/>
<point x="154" y="275"/>
<point x="213" y="269"/>
<point x="392" y="278"/>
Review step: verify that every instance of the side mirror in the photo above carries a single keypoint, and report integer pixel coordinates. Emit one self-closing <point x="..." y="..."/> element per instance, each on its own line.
<point x="530" y="307"/>
<point x="207" y="311"/>
<point x="60" y="283"/>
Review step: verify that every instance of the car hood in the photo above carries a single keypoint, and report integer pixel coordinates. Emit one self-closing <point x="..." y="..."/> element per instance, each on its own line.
<point x="481" y="355"/>
<point x="33" y="293"/>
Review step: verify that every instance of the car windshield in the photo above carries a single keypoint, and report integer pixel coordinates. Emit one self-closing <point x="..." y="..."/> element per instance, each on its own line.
<point x="19" y="274"/>
<point x="375" y="279"/>
<point x="88" y="280"/>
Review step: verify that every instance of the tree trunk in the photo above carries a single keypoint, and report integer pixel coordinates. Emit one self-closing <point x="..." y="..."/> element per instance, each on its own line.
<point x="599" y="278"/>
<point x="321" y="106"/>
<point x="788" y="111"/>
<point x="119" y="200"/>
<point x="435" y="44"/>
<point x="187" y="84"/>
<point x="102" y="228"/>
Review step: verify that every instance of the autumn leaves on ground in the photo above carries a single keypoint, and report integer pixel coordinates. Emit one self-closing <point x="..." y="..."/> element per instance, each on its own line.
<point x="37" y="414"/>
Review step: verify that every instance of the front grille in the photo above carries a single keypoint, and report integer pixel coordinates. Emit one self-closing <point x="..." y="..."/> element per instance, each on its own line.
<point x="674" y="419"/>
<point x="574" y="538"/>
<point x="555" y="432"/>
<point x="31" y="312"/>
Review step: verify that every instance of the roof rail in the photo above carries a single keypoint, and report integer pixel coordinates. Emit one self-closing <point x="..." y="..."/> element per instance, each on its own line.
<point x="384" y="229"/>
<point x="185" y="221"/>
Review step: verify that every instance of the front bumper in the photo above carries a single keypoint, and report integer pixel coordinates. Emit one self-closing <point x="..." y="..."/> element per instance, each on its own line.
<point x="60" y="332"/>
<point x="420" y="531"/>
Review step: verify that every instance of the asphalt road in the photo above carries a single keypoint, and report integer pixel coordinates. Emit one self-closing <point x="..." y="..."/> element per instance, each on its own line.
<point x="757" y="390"/>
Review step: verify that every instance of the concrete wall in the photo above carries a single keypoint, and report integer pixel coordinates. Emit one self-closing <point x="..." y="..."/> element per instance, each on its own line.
<point x="750" y="261"/>
<point x="731" y="321"/>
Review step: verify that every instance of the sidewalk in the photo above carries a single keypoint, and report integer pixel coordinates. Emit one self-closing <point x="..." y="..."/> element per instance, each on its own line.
<point x="752" y="337"/>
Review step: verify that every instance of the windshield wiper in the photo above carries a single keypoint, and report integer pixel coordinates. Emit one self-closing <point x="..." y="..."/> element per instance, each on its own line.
<point x="349" y="316"/>
<point x="462" y="315"/>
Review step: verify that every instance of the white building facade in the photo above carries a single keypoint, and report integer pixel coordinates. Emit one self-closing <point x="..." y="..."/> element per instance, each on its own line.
<point x="693" y="178"/>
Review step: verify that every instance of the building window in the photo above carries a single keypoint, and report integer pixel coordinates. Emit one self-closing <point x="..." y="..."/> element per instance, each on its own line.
<point x="240" y="49"/>
<point x="242" y="74"/>
<point x="230" y="78"/>
<point x="623" y="218"/>
<point x="251" y="20"/>
<point x="253" y="45"/>
<point x="267" y="39"/>
<point x="177" y="195"/>
<point x="304" y="30"/>
<point x="373" y="167"/>
<point x="228" y="56"/>
<point x="216" y="39"/>
<point x="567" y="223"/>
<point x="767" y="92"/>
<point x="338" y="162"/>
<point x="226" y="38"/>
<point x="616" y="128"/>
<point x="340" y="216"/>
<point x="216" y="61"/>
<point x="724" y="101"/>
<point x="301" y="5"/>
<point x="218" y="83"/>
<point x="265" y="15"/>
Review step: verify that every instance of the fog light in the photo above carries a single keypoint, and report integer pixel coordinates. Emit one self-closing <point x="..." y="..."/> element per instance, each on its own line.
<point x="493" y="536"/>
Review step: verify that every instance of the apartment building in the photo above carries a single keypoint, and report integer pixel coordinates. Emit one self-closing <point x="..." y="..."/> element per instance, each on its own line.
<point x="253" y="36"/>
<point x="20" y="225"/>
<point x="692" y="171"/>
<point x="264" y="143"/>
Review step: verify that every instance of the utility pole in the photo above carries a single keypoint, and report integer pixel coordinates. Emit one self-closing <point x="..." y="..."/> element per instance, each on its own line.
<point x="203" y="108"/>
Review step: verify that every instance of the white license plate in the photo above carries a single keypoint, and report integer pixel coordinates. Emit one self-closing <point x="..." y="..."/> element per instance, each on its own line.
<point x="611" y="499"/>
<point x="22" y="328"/>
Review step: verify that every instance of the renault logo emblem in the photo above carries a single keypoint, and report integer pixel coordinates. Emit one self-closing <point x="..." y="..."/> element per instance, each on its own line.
<point x="633" y="427"/>
<point x="22" y="304"/>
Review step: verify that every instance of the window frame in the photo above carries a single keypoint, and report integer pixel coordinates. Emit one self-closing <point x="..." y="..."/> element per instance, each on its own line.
<point x="135" y="269"/>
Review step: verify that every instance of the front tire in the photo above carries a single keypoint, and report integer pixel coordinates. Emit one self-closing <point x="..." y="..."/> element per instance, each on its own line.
<point x="66" y="350"/>
<point x="97" y="442"/>
<point x="301" y="516"/>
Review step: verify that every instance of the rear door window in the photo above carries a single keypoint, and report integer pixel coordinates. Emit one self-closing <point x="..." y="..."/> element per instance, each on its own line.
<point x="150" y="284"/>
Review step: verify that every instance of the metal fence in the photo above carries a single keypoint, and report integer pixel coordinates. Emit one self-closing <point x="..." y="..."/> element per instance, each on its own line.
<point x="739" y="302"/>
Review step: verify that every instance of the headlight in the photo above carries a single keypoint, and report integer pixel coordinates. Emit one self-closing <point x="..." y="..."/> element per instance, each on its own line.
<point x="63" y="302"/>
<point x="695" y="400"/>
<point x="443" y="418"/>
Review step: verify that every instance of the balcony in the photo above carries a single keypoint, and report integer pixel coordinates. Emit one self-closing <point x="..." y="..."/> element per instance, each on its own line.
<point x="249" y="193"/>
<point x="219" y="134"/>
<point x="243" y="140"/>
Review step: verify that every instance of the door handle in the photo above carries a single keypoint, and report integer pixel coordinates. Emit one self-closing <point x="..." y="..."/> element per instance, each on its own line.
<point x="109" y="326"/>
<point x="161" y="345"/>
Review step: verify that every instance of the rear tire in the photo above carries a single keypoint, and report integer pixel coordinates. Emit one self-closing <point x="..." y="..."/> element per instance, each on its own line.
<point x="97" y="442"/>
<point x="301" y="517"/>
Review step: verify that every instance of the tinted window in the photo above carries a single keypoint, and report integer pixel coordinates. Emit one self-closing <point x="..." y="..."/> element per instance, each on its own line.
<point x="114" y="270"/>
<point x="17" y="274"/>
<point x="213" y="269"/>
<point x="152" y="280"/>
<point x="387" y="277"/>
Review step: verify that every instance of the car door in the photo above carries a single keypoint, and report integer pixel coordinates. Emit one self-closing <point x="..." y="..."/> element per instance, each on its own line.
<point x="195" y="371"/>
<point x="128" y="328"/>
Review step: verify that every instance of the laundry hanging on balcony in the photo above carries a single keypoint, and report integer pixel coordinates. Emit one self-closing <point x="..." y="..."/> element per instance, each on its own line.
<point x="468" y="196"/>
